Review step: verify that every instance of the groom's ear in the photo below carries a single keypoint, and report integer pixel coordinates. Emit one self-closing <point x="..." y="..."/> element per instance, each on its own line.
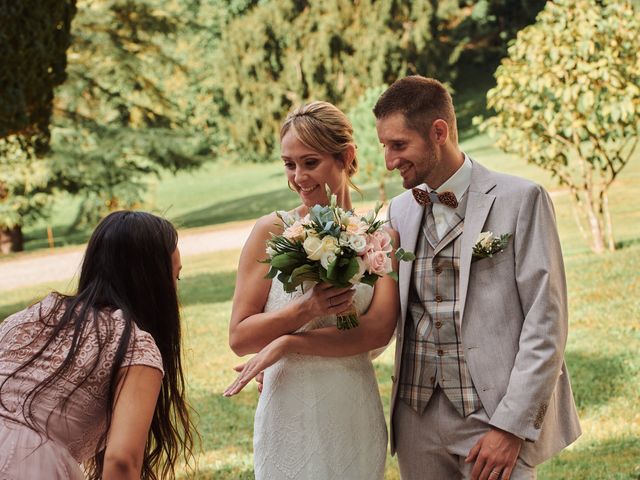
<point x="439" y="132"/>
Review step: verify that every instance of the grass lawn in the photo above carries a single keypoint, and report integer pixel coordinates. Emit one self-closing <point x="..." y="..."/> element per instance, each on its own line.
<point x="602" y="351"/>
<point x="602" y="355"/>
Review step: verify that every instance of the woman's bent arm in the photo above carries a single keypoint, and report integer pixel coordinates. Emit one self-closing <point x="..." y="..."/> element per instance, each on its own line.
<point x="135" y="403"/>
<point x="375" y="331"/>
<point x="251" y="329"/>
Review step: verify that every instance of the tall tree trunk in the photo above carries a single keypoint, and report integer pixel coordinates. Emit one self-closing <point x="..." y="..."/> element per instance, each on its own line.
<point x="593" y="210"/>
<point x="597" y="237"/>
<point x="577" y="207"/>
<point x="11" y="240"/>
<point x="608" y="226"/>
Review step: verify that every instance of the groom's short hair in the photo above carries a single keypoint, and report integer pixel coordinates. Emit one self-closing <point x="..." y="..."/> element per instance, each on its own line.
<point x="421" y="100"/>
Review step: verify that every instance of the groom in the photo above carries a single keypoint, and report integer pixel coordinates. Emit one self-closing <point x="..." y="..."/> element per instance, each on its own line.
<point x="480" y="388"/>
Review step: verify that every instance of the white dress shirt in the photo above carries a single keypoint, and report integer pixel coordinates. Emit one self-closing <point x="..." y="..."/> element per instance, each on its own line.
<point x="458" y="183"/>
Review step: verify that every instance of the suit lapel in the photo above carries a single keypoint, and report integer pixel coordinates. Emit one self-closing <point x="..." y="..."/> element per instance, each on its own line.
<point x="479" y="204"/>
<point x="413" y="214"/>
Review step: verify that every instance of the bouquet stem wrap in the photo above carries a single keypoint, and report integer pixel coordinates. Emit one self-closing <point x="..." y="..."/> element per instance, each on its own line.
<point x="347" y="319"/>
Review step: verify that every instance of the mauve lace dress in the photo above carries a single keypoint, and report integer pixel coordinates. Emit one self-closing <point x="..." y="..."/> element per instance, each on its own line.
<point x="72" y="433"/>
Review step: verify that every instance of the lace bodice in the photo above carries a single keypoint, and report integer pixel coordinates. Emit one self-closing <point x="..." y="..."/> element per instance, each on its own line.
<point x="319" y="418"/>
<point x="81" y="424"/>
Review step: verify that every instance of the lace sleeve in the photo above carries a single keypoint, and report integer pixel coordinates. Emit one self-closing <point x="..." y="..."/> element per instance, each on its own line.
<point x="143" y="351"/>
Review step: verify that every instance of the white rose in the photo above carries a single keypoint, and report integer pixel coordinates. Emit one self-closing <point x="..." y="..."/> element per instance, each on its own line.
<point x="329" y="244"/>
<point x="344" y="239"/>
<point x="344" y="218"/>
<point x="357" y="243"/>
<point x="326" y="258"/>
<point x="316" y="247"/>
<point x="313" y="246"/>
<point x="485" y="239"/>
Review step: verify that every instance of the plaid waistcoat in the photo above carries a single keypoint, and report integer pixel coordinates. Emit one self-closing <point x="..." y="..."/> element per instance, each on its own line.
<point x="433" y="354"/>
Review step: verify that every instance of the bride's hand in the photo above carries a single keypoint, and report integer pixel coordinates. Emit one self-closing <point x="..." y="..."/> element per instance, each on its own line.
<point x="263" y="359"/>
<point x="325" y="299"/>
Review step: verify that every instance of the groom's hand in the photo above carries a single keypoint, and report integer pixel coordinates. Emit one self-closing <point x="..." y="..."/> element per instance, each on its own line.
<point x="495" y="454"/>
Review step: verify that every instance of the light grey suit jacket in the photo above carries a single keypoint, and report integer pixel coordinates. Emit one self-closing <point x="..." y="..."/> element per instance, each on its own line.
<point x="513" y="308"/>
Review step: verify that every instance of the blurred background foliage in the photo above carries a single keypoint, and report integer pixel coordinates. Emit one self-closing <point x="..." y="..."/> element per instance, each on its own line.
<point x="98" y="98"/>
<point x="567" y="99"/>
<point x="34" y="37"/>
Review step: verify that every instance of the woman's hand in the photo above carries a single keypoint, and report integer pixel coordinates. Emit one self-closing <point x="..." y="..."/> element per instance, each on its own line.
<point x="263" y="359"/>
<point x="325" y="299"/>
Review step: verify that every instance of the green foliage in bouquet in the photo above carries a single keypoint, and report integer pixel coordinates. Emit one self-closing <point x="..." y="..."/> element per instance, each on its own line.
<point x="331" y="245"/>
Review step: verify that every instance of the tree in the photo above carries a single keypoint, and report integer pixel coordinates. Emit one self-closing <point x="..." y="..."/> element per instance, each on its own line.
<point x="568" y="100"/>
<point x="34" y="37"/>
<point x="334" y="50"/>
<point x="370" y="155"/>
<point x="131" y="105"/>
<point x="127" y="108"/>
<point x="300" y="50"/>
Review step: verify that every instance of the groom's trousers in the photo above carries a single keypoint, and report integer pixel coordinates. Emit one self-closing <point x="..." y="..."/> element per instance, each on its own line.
<point x="433" y="446"/>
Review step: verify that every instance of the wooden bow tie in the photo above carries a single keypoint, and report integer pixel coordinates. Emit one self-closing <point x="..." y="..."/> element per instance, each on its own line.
<point x="426" y="198"/>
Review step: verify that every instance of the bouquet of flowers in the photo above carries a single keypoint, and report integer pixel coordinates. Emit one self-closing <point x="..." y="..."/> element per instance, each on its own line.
<point x="332" y="245"/>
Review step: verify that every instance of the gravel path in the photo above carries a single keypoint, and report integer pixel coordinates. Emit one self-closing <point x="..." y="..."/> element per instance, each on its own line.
<point x="52" y="267"/>
<point x="44" y="266"/>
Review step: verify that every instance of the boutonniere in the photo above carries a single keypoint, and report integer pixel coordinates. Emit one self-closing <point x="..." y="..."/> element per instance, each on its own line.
<point x="488" y="244"/>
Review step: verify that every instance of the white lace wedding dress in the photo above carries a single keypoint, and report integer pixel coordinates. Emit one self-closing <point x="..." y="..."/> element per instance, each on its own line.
<point x="319" y="418"/>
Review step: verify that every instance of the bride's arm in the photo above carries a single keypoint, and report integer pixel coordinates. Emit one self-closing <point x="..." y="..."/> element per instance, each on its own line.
<point x="251" y="329"/>
<point x="375" y="331"/>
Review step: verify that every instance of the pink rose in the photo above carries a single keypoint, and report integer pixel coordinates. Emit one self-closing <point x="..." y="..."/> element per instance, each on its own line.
<point x="383" y="240"/>
<point x="377" y="262"/>
<point x="295" y="231"/>
<point x="373" y="244"/>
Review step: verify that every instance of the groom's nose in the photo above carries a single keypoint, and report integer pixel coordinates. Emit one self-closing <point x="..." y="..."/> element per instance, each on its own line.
<point x="390" y="160"/>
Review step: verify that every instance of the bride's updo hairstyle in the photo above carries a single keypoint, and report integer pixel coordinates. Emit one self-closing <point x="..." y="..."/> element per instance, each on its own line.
<point x="323" y="127"/>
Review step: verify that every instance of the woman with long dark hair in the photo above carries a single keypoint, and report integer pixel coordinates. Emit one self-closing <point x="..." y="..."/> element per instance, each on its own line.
<point x="96" y="378"/>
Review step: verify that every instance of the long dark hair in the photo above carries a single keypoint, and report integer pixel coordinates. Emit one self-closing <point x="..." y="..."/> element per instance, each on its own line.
<point x="127" y="266"/>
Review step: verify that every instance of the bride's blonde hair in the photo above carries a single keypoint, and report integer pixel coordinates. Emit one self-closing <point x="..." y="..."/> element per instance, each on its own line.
<point x="321" y="126"/>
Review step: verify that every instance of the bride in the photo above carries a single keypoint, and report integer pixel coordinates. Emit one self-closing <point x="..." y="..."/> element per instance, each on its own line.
<point x="319" y="415"/>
